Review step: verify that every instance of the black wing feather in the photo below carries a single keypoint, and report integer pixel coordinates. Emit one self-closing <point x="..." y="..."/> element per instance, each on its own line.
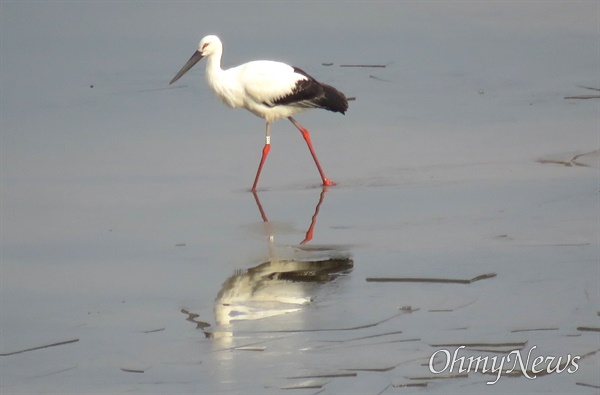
<point x="310" y="93"/>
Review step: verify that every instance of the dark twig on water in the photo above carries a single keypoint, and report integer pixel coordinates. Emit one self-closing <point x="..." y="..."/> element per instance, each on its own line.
<point x="40" y="347"/>
<point x="430" y="280"/>
<point x="588" y="329"/>
<point x="363" y="65"/>
<point x="585" y="96"/>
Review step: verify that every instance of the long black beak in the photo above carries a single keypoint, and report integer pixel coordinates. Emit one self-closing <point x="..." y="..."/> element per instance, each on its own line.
<point x="190" y="63"/>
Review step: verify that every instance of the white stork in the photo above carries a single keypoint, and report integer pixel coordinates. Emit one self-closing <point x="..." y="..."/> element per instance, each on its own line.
<point x="270" y="90"/>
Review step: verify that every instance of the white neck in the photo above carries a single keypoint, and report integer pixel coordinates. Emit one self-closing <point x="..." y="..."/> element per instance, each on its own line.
<point x="213" y="69"/>
<point x="220" y="82"/>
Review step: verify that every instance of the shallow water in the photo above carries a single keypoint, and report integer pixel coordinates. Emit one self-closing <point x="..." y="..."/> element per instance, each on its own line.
<point x="127" y="224"/>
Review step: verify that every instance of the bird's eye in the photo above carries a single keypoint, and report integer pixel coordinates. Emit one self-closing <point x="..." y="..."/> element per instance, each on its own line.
<point x="204" y="46"/>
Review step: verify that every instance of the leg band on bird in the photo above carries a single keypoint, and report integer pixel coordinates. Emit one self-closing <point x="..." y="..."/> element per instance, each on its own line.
<point x="265" y="152"/>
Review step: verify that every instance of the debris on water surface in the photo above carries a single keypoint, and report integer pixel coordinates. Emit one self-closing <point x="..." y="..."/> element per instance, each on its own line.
<point x="132" y="370"/>
<point x="495" y="349"/>
<point x="408" y="309"/>
<point x="588" y="329"/>
<point x="218" y="335"/>
<point x="589" y="354"/>
<point x="384" y="368"/>
<point x="585" y="96"/>
<point x="380" y="79"/>
<point x="585" y="159"/>
<point x="500" y="348"/>
<point x="430" y="280"/>
<point x="406" y="385"/>
<point x="39" y="347"/>
<point x="440" y="376"/>
<point x="363" y="65"/>
<point x="305" y="385"/>
<point x="251" y="348"/>
<point x="533" y="329"/>
<point x="588" y="385"/>
<point x="368" y="337"/>
<point x="352" y="328"/>
<point x="192" y="318"/>
<point x="324" y="375"/>
<point x="516" y="344"/>
<point x="154" y="330"/>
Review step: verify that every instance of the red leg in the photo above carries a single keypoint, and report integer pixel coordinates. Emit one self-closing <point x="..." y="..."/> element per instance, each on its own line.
<point x="265" y="152"/>
<point x="313" y="221"/>
<point x="306" y="135"/>
<point x="260" y="208"/>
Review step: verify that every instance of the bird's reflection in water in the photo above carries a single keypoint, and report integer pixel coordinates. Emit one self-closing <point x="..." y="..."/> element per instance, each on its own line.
<point x="282" y="284"/>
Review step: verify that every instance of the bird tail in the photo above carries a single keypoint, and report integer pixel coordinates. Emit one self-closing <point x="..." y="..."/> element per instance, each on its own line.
<point x="332" y="99"/>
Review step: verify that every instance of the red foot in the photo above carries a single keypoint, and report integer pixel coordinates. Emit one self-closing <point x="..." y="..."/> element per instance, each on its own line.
<point x="308" y="237"/>
<point x="328" y="183"/>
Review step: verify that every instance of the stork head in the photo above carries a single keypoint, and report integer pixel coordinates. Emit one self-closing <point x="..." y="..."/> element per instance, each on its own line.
<point x="208" y="46"/>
